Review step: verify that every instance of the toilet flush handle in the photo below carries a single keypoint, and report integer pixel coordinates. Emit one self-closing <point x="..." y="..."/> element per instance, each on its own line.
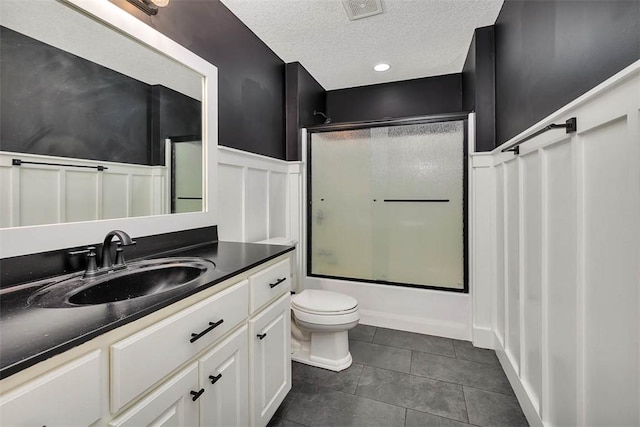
<point x="261" y="336"/>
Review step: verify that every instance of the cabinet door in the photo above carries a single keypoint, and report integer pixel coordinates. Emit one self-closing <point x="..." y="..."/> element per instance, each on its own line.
<point x="224" y="374"/>
<point x="171" y="404"/>
<point x="270" y="359"/>
<point x="67" y="396"/>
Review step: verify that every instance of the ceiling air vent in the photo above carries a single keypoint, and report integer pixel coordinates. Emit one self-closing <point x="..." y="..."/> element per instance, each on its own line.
<point x="358" y="9"/>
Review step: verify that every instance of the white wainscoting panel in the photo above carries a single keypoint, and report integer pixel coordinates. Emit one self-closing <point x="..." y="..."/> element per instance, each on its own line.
<point x="45" y="194"/>
<point x="501" y="299"/>
<point x="231" y="202"/>
<point x="81" y="195"/>
<point x="115" y="201"/>
<point x="559" y="284"/>
<point x="567" y="257"/>
<point x="258" y="197"/>
<point x="512" y="261"/>
<point x="611" y="323"/>
<point x="531" y="272"/>
<point x="482" y="222"/>
<point x="278" y="204"/>
<point x="257" y="205"/>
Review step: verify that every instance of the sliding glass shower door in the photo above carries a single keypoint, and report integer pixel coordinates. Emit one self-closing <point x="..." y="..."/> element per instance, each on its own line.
<point x="386" y="204"/>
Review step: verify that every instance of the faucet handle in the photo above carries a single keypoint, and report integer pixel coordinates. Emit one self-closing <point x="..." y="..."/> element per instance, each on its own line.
<point x="89" y="250"/>
<point x="92" y="265"/>
<point x="120" y="254"/>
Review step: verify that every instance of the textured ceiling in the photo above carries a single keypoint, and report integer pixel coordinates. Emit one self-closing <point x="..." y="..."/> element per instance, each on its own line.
<point x="419" y="38"/>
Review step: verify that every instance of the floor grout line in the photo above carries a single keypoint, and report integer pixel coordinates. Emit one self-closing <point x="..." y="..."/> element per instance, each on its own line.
<point x="410" y="349"/>
<point x="435" y="379"/>
<point x="413" y="409"/>
<point x="466" y="407"/>
<point x="471" y="364"/>
<point x="359" y="378"/>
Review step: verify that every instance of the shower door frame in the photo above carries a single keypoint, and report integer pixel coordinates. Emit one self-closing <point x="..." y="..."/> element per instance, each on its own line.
<point x="436" y="118"/>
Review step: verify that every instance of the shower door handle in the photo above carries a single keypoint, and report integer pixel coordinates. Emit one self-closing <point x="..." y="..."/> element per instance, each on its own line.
<point x="416" y="200"/>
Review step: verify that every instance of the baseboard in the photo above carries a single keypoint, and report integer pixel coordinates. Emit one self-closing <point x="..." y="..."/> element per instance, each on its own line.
<point x="519" y="389"/>
<point x="416" y="324"/>
<point x="483" y="338"/>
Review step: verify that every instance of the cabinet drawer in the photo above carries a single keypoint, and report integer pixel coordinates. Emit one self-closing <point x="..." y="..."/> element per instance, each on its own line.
<point x="66" y="396"/>
<point x="171" y="404"/>
<point x="144" y="358"/>
<point x="269" y="284"/>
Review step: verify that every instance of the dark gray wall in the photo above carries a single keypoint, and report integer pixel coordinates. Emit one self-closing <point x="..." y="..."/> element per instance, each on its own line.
<point x="407" y="98"/>
<point x="58" y="104"/>
<point x="478" y="86"/>
<point x="172" y="115"/>
<point x="549" y="52"/>
<point x="304" y="96"/>
<point x="250" y="75"/>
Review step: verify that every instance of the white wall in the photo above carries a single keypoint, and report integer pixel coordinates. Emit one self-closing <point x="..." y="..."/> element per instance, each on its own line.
<point x="557" y="260"/>
<point x="42" y="194"/>
<point x="259" y="197"/>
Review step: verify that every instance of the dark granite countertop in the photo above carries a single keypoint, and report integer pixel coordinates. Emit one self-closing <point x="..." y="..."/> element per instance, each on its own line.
<point x="30" y="334"/>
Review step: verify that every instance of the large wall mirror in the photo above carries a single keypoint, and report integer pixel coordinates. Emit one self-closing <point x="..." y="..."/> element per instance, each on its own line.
<point x="104" y="123"/>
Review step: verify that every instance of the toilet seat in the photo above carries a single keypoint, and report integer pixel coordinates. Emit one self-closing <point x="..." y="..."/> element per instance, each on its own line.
<point x="319" y="302"/>
<point x="324" y="307"/>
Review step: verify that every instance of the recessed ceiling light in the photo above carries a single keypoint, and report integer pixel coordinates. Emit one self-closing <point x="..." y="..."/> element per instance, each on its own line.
<point x="382" y="67"/>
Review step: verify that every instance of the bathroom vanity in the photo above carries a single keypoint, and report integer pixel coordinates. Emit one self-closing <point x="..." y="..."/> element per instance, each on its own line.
<point x="215" y="355"/>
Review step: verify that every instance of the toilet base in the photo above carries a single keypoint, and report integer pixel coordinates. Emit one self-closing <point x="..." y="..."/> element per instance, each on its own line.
<point x="303" y="355"/>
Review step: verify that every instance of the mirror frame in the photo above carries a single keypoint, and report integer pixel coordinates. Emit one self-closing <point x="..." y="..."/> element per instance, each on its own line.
<point x="24" y="240"/>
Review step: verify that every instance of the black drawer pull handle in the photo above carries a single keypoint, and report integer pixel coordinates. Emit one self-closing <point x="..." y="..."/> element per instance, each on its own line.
<point x="215" y="379"/>
<point x="196" y="394"/>
<point x="261" y="336"/>
<point x="273" y="285"/>
<point x="212" y="326"/>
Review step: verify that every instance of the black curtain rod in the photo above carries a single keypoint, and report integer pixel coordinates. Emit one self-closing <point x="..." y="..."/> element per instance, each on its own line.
<point x="18" y="162"/>
<point x="570" y="125"/>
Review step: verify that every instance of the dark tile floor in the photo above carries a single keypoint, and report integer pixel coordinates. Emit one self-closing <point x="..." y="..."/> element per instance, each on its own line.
<point x="403" y="379"/>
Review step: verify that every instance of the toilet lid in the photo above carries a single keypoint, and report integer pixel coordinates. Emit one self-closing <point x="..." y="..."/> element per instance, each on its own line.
<point x="319" y="301"/>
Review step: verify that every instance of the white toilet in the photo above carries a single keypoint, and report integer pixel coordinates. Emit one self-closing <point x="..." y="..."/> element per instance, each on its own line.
<point x="320" y="321"/>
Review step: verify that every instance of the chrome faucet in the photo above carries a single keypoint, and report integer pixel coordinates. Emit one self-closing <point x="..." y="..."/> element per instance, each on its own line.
<point x="125" y="240"/>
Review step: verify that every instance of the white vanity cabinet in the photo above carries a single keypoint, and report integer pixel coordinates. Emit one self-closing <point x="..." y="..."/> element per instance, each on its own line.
<point x="144" y="358"/>
<point x="220" y="357"/>
<point x="66" y="396"/>
<point x="210" y="392"/>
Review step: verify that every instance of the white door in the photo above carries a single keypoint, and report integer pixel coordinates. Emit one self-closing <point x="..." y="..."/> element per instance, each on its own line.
<point x="187" y="175"/>
<point x="270" y="359"/>
<point x="174" y="404"/>
<point x="224" y="374"/>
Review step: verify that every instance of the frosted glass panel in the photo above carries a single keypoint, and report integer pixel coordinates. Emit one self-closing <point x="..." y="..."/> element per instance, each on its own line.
<point x="341" y="204"/>
<point x="387" y="204"/>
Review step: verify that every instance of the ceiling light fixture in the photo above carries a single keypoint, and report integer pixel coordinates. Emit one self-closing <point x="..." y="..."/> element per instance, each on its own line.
<point x="150" y="7"/>
<point x="382" y="67"/>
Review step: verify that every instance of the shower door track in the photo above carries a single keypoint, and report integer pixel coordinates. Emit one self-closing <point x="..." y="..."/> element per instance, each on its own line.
<point x="435" y="118"/>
